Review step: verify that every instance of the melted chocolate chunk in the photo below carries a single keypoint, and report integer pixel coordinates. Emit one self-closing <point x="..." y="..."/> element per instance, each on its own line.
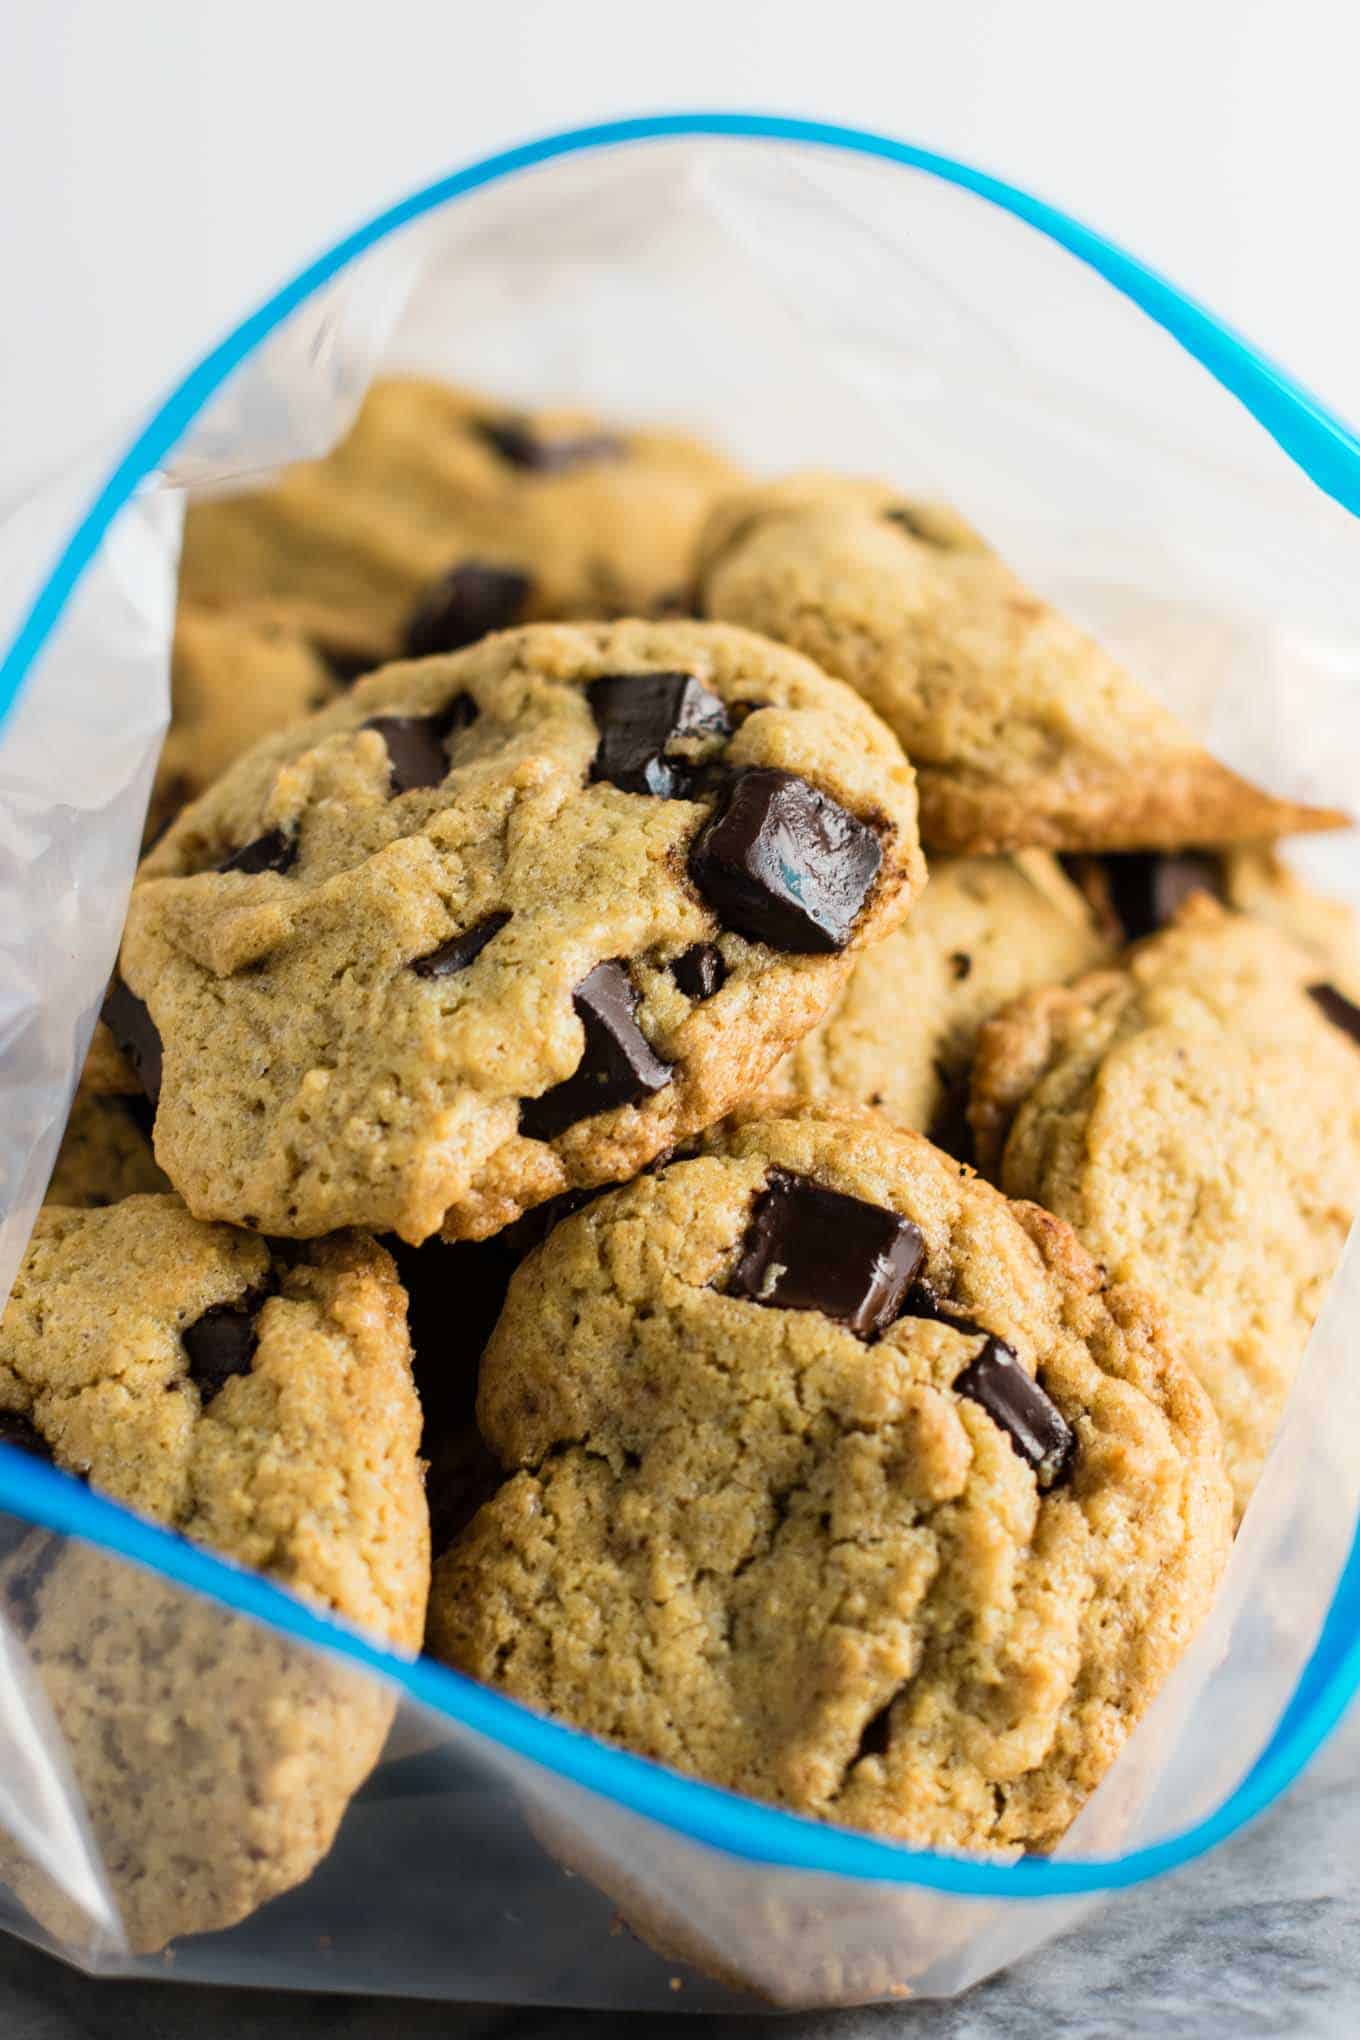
<point x="276" y="850"/>
<point x="960" y="964"/>
<point x="785" y="864"/>
<point x="1338" y="1009"/>
<point x="1035" y="1425"/>
<point x="638" y="716"/>
<point x="515" y="440"/>
<point x="134" y="1030"/>
<point x="416" y="743"/>
<point x="809" y="1248"/>
<point x="618" y="1066"/>
<point x="472" y="599"/>
<point x="700" y="971"/>
<point x="461" y="950"/>
<point x="222" y="1342"/>
<point x="1147" y="887"/>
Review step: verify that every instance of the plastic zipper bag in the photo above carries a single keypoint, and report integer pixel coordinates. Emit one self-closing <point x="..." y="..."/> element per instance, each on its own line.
<point x="803" y="295"/>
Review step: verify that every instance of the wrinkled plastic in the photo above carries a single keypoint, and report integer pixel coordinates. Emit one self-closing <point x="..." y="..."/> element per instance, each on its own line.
<point x="802" y="308"/>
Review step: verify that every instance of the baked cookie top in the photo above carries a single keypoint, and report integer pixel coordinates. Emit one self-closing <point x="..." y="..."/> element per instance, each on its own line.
<point x="842" y="1482"/>
<point x="443" y="515"/>
<point x="1195" y="1115"/>
<point x="504" y="923"/>
<point x="1023" y="731"/>
<point x="257" y="1400"/>
<point x="900" y="1036"/>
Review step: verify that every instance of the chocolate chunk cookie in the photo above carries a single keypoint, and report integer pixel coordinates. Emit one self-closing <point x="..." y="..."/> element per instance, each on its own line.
<point x="256" y="1401"/>
<point x="1022" y="730"/>
<point x="842" y="1482"/>
<point x="443" y="515"/>
<point x="1195" y="1115"/>
<point x="900" y="1036"/>
<point x="428" y="959"/>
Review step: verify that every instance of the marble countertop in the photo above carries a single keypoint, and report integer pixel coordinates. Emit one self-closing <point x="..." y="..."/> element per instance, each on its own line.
<point x="1261" y="1938"/>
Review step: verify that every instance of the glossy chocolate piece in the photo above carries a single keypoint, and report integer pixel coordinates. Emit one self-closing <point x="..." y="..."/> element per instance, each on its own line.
<point x="781" y="862"/>
<point x="222" y="1342"/>
<point x="276" y="850"/>
<point x="135" y="1032"/>
<point x="460" y="950"/>
<point x="1148" y="887"/>
<point x="639" y="715"/>
<point x="810" y="1248"/>
<point x="1338" y="1009"/>
<point x="618" y="1066"/>
<point x="515" y="440"/>
<point x="1037" y="1429"/>
<point x="417" y="744"/>
<point x="472" y="599"/>
<point x="700" y="971"/>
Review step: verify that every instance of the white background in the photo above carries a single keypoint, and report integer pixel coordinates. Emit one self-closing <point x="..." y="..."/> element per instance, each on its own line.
<point x="164" y="162"/>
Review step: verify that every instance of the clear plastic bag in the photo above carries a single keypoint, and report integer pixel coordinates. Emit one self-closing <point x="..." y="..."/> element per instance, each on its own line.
<point x="805" y="296"/>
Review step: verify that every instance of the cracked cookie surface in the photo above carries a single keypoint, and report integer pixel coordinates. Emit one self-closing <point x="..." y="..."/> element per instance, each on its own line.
<point x="917" y="1566"/>
<point x="547" y="515"/>
<point x="257" y="1401"/>
<point x="506" y="923"/>
<point x="1023" y="731"/>
<point x="1195" y="1115"/>
<point x="900" y="1036"/>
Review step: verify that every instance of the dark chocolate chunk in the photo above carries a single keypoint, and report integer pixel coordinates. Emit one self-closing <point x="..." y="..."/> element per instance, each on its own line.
<point x="700" y="971"/>
<point x="276" y="850"/>
<point x="961" y="964"/>
<point x="1035" y="1425"/>
<point x="1147" y="886"/>
<point x="516" y="442"/>
<point x="618" y="1066"/>
<point x="639" y="715"/>
<point x="461" y="950"/>
<point x="222" y="1342"/>
<point x="347" y="667"/>
<point x="470" y="600"/>
<point x="1338" y="1009"/>
<point x="134" y="1031"/>
<point x="809" y="1248"/>
<point x="416" y="743"/>
<point x="785" y="864"/>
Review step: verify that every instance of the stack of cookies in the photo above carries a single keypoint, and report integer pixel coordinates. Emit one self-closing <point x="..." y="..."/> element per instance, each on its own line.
<point x="565" y="1177"/>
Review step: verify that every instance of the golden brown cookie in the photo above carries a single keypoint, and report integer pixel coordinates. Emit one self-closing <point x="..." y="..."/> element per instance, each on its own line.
<point x="842" y="1482"/>
<point x="258" y="1401"/>
<point x="506" y="923"/>
<point x="900" y="1036"/>
<point x="443" y="515"/>
<point x="1195" y="1115"/>
<point x="1022" y="730"/>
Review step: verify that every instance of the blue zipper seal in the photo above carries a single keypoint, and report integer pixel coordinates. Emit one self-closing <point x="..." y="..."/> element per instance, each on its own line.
<point x="1329" y="453"/>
